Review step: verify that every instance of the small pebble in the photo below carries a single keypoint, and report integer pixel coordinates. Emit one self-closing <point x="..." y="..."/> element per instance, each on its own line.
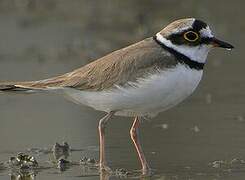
<point x="121" y="172"/>
<point x="236" y="163"/>
<point x="61" y="150"/>
<point x="218" y="164"/>
<point x="87" y="161"/>
<point x="23" y="161"/>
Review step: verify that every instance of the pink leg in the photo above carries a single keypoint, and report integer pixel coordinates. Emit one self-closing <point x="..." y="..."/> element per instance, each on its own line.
<point x="134" y="132"/>
<point x="102" y="125"/>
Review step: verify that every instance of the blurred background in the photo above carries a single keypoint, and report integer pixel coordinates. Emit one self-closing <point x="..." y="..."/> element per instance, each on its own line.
<point x="202" y="138"/>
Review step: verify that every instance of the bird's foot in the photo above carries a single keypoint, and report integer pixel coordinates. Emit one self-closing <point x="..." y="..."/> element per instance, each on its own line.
<point x="146" y="172"/>
<point x="105" y="169"/>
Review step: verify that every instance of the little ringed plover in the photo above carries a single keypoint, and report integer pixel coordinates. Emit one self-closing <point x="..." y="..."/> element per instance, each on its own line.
<point x="139" y="80"/>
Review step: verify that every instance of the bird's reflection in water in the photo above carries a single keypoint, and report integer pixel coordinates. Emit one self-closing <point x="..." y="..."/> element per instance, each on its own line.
<point x="23" y="176"/>
<point x="104" y="175"/>
<point x="108" y="176"/>
<point x="123" y="174"/>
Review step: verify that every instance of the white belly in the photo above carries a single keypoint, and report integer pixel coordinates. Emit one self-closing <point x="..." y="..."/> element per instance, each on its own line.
<point x="146" y="97"/>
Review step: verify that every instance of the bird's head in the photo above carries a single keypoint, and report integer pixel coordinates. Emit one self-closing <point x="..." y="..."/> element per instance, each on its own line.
<point x="190" y="37"/>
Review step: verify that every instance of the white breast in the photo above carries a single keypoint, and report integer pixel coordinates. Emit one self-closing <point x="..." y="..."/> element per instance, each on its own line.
<point x="147" y="96"/>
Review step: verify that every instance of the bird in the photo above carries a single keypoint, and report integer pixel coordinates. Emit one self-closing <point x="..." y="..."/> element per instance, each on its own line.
<point x="138" y="81"/>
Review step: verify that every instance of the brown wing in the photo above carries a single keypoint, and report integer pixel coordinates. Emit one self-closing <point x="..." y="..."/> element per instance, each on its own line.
<point x="121" y="66"/>
<point x="116" y="68"/>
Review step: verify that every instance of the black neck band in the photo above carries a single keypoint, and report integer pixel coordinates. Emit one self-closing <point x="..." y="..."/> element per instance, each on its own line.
<point x="181" y="57"/>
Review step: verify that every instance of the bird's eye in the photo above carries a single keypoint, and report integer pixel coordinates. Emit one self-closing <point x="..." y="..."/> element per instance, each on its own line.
<point x="191" y="36"/>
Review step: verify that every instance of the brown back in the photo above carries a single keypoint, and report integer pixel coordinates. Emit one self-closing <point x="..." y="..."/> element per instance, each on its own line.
<point x="116" y="68"/>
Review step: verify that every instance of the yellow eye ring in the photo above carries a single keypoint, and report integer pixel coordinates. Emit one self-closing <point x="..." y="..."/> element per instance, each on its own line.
<point x="191" y="36"/>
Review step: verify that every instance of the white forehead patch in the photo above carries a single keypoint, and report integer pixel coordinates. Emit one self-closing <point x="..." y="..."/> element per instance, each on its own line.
<point x="206" y="32"/>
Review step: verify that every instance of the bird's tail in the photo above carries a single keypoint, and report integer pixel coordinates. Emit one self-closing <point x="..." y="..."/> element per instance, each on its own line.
<point x="20" y="87"/>
<point x="33" y="86"/>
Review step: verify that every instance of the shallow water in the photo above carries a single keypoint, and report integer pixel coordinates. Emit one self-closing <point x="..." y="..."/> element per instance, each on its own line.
<point x="202" y="138"/>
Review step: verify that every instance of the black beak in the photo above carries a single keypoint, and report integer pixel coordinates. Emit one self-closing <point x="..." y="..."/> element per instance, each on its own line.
<point x="218" y="43"/>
